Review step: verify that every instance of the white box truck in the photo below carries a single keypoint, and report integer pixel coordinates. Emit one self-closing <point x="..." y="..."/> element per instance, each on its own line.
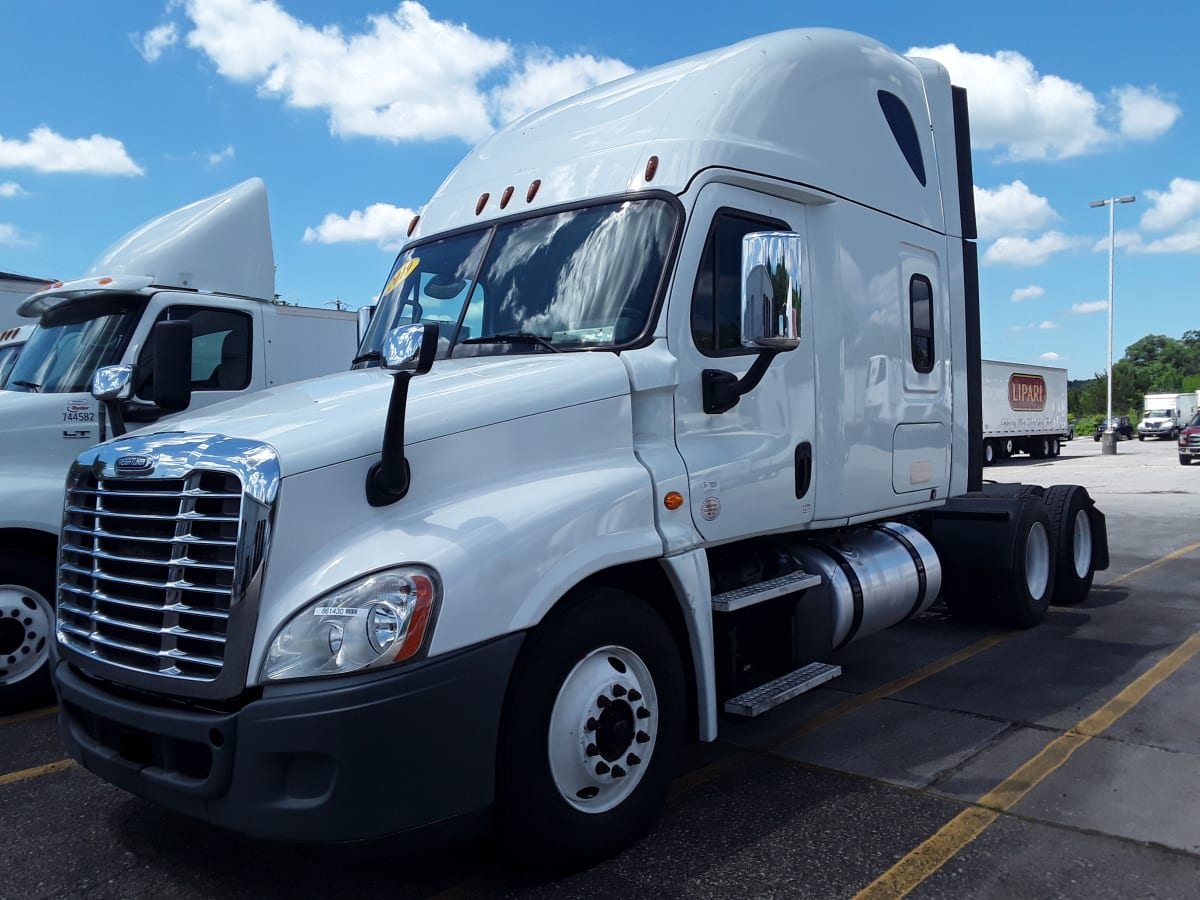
<point x="1164" y="415"/>
<point x="1024" y="410"/>
<point x="674" y="391"/>
<point x="206" y="270"/>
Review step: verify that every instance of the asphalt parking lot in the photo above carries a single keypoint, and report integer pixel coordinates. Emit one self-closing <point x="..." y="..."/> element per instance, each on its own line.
<point x="949" y="760"/>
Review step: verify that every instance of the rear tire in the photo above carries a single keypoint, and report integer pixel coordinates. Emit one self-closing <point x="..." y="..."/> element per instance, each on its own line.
<point x="592" y="730"/>
<point x="1069" y="506"/>
<point x="989" y="453"/>
<point x="26" y="630"/>
<point x="1021" y="595"/>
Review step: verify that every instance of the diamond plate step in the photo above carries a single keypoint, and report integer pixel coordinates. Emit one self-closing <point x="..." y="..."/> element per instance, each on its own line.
<point x="758" y="700"/>
<point x="764" y="590"/>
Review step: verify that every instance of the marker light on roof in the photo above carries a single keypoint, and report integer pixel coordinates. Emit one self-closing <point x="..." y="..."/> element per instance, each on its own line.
<point x="651" y="168"/>
<point x="483" y="199"/>
<point x="506" y="196"/>
<point x="533" y="189"/>
<point x="412" y="226"/>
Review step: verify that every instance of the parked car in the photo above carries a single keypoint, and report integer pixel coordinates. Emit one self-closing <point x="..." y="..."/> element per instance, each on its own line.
<point x="1120" y="424"/>
<point x="1189" y="441"/>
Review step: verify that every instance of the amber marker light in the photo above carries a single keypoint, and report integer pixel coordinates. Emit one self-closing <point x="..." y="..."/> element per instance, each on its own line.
<point x="506" y="196"/>
<point x="673" y="500"/>
<point x="651" y="168"/>
<point x="105" y="280"/>
<point x="483" y="199"/>
<point x="533" y="189"/>
<point x="412" y="226"/>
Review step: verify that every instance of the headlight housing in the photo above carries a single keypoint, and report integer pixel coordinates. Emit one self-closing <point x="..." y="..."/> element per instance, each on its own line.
<point x="369" y="623"/>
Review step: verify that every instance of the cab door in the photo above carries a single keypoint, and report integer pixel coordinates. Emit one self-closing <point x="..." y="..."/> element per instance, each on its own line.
<point x="750" y="469"/>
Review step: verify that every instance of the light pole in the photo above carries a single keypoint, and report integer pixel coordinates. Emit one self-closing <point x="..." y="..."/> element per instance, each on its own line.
<point x="1109" y="445"/>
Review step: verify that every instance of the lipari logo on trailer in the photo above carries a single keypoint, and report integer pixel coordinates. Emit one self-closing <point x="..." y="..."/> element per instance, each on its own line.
<point x="1027" y="392"/>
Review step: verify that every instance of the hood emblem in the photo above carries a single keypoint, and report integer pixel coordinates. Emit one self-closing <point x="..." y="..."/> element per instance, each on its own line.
<point x="134" y="464"/>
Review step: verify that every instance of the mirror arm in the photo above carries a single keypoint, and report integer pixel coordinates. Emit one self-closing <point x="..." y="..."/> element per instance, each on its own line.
<point x="388" y="480"/>
<point x="112" y="410"/>
<point x="723" y="390"/>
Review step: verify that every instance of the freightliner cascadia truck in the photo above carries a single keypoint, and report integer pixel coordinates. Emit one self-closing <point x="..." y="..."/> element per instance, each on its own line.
<point x="673" y="392"/>
<point x="205" y="272"/>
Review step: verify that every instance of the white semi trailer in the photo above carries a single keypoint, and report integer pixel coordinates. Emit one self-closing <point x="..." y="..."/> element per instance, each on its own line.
<point x="207" y="271"/>
<point x="1024" y="410"/>
<point x="705" y="407"/>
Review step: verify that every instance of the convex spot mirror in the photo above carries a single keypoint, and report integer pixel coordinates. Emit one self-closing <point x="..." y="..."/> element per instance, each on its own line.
<point x="771" y="290"/>
<point x="410" y="348"/>
<point x="112" y="383"/>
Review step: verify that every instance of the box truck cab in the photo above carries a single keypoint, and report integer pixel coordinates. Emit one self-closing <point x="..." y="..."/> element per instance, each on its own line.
<point x="210" y="265"/>
<point x="674" y="391"/>
<point x="11" y="342"/>
<point x="1164" y="415"/>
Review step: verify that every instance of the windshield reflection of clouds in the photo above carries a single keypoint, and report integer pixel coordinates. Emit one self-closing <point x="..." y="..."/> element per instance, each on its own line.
<point x="582" y="278"/>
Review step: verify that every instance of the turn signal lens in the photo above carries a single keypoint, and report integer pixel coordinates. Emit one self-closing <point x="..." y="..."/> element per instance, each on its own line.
<point x="533" y="189"/>
<point x="673" y="500"/>
<point x="651" y="168"/>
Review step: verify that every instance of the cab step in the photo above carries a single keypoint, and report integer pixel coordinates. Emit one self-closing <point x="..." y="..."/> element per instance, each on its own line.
<point x="764" y="590"/>
<point x="757" y="701"/>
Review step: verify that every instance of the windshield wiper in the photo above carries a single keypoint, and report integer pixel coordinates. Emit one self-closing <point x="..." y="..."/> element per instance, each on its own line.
<point x="515" y="337"/>
<point x="33" y="388"/>
<point x="369" y="356"/>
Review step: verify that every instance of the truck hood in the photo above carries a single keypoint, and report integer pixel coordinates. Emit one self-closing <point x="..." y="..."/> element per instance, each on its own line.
<point x="340" y="417"/>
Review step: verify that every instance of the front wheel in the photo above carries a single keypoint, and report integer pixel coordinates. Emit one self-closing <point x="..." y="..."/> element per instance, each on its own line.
<point x="1185" y="460"/>
<point x="592" y="729"/>
<point x="26" y="629"/>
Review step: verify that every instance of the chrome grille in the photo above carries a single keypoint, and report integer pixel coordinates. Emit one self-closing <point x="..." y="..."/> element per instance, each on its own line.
<point x="1193" y="440"/>
<point x="148" y="569"/>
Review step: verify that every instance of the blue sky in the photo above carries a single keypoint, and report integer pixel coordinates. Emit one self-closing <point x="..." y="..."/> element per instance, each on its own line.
<point x="353" y="113"/>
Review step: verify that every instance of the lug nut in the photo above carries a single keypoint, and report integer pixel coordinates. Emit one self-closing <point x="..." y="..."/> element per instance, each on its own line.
<point x="591" y="724"/>
<point x="634" y="696"/>
<point x="591" y="750"/>
<point x="643" y="713"/>
<point x="642" y="738"/>
<point x="601" y="768"/>
<point x="618" y="690"/>
<point x="602" y="702"/>
<point x="633" y="759"/>
<point x="618" y="772"/>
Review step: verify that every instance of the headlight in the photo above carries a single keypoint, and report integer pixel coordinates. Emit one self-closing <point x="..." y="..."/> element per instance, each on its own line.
<point x="373" y="622"/>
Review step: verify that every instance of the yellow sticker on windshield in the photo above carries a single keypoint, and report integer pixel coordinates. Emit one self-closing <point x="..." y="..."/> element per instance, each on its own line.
<point x="401" y="273"/>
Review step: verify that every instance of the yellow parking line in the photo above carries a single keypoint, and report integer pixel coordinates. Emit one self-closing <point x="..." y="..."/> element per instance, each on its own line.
<point x="1175" y="554"/>
<point x="956" y="834"/>
<point x="705" y="774"/>
<point x="28" y="716"/>
<point x="36" y="771"/>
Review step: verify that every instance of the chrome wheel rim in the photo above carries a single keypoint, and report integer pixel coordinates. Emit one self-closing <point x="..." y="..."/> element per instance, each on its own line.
<point x="1037" y="561"/>
<point x="1081" y="543"/>
<point x="26" y="624"/>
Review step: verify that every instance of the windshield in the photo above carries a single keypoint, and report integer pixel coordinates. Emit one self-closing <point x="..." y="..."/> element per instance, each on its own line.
<point x="1159" y="413"/>
<point x="581" y="279"/>
<point x="8" y="356"/>
<point x="71" y="342"/>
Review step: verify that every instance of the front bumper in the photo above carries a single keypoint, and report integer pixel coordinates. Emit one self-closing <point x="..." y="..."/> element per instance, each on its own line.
<point x="323" y="761"/>
<point x="1192" y="450"/>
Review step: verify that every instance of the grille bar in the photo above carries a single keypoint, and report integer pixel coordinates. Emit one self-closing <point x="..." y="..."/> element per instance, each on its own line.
<point x="81" y="492"/>
<point x="101" y="597"/>
<point x="173" y="561"/>
<point x="175" y="656"/>
<point x="182" y="539"/>
<point x="178" y="585"/>
<point x="150" y="517"/>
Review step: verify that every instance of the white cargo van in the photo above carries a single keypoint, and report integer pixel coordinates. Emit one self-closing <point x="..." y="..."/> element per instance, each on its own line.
<point x="206" y="270"/>
<point x="705" y="408"/>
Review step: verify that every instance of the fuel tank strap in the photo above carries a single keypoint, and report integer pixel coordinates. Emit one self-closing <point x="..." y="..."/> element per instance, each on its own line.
<point x="856" y="591"/>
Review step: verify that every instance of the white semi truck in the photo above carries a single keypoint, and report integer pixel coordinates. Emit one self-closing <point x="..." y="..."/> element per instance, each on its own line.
<point x="1024" y="410"/>
<point x="207" y="270"/>
<point x="1165" y="415"/>
<point x="674" y="392"/>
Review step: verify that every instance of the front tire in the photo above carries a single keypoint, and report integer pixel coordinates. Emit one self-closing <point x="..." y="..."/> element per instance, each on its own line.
<point x="592" y="730"/>
<point x="26" y="629"/>
<point x="1185" y="460"/>
<point x="1069" y="506"/>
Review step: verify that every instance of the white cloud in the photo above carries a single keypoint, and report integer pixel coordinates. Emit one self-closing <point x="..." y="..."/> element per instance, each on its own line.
<point x="1183" y="242"/>
<point x="10" y="237"/>
<point x="1022" y="251"/>
<point x="545" y="80"/>
<point x="1027" y="293"/>
<point x="404" y="76"/>
<point x="46" y="151"/>
<point x="1050" y="357"/>
<point x="1027" y="115"/>
<point x="221" y="156"/>
<point x="380" y="222"/>
<point x="154" y="42"/>
<point x="1011" y="208"/>
<point x="1047" y="326"/>
<point x="10" y="189"/>
<point x="1172" y="207"/>
<point x="1123" y="240"/>
<point x="1094" y="306"/>
<point x="1143" y="114"/>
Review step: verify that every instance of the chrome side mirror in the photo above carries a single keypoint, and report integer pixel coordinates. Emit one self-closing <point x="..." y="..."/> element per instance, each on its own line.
<point x="410" y="348"/>
<point x="771" y="296"/>
<point x="112" y="383"/>
<point x="365" y="315"/>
